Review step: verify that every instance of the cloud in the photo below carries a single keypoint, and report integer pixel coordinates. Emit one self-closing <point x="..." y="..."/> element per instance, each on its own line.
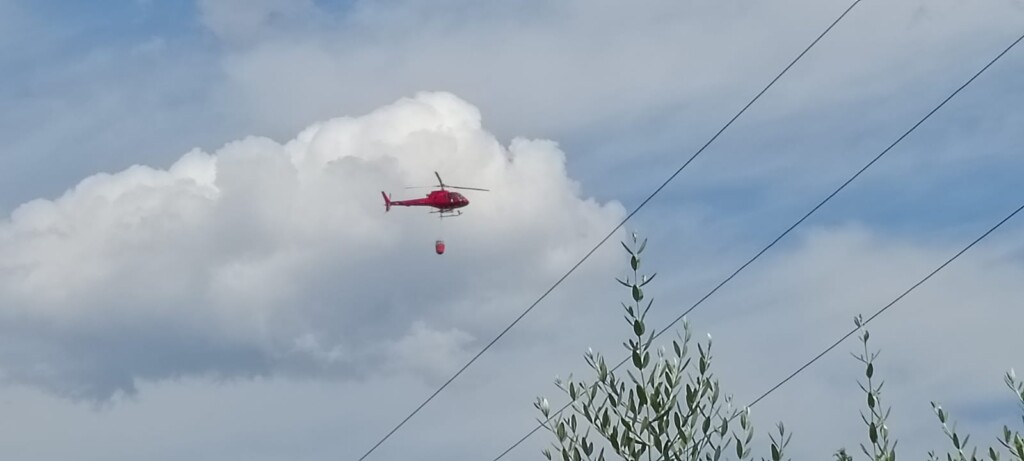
<point x="950" y="340"/>
<point x="778" y="315"/>
<point x="602" y="79"/>
<point x="265" y="258"/>
<point x="609" y="62"/>
<point x="249" y="260"/>
<point x="241" y="21"/>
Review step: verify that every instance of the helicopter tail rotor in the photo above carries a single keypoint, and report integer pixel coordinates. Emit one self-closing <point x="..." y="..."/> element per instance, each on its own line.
<point x="387" y="201"/>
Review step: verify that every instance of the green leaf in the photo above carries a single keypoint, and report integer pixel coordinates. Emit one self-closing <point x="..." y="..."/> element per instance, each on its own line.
<point x="871" y="370"/>
<point x="638" y="294"/>
<point x="776" y="455"/>
<point x="873" y="432"/>
<point x="656" y="405"/>
<point x="871" y="400"/>
<point x="634" y="262"/>
<point x="638" y="327"/>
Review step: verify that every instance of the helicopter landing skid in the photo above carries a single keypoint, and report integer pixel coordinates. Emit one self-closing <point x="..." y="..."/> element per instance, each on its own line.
<point x="448" y="214"/>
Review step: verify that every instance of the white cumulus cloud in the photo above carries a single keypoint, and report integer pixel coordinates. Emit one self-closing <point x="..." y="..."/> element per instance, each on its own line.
<point x="265" y="258"/>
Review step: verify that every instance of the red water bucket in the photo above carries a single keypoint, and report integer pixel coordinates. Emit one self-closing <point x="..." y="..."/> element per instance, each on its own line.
<point x="439" y="247"/>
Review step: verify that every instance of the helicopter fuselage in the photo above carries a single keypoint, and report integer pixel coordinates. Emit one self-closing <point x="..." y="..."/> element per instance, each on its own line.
<point x="443" y="200"/>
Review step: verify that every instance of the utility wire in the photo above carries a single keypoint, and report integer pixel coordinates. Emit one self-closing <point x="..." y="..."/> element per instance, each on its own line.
<point x="610" y="234"/>
<point x="876" y="314"/>
<point x="887" y="306"/>
<point x="787" y="231"/>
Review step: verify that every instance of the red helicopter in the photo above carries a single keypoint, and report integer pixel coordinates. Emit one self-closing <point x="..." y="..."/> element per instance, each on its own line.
<point x="446" y="203"/>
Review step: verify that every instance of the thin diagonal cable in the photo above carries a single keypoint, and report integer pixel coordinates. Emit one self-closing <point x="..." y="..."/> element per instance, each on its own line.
<point x="876" y="314"/>
<point x="797" y="223"/>
<point x="887" y="306"/>
<point x="610" y="234"/>
<point x="843" y="186"/>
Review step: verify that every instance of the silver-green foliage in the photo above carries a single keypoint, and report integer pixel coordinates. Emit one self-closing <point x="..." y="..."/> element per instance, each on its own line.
<point x="670" y="410"/>
<point x="1011" y="441"/>
<point x="875" y="420"/>
<point x="878" y="431"/>
<point x="665" y="408"/>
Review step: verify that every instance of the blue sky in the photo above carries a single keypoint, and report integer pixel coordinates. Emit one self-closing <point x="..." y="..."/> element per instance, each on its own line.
<point x="288" y="284"/>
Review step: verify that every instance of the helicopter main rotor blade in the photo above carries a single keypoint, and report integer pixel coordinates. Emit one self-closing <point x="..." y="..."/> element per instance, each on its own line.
<point x="443" y="185"/>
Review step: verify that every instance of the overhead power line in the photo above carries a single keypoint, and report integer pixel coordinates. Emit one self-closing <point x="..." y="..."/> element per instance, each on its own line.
<point x="788" y="230"/>
<point x="605" y="239"/>
<point x="876" y="314"/>
<point x="883" y="309"/>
